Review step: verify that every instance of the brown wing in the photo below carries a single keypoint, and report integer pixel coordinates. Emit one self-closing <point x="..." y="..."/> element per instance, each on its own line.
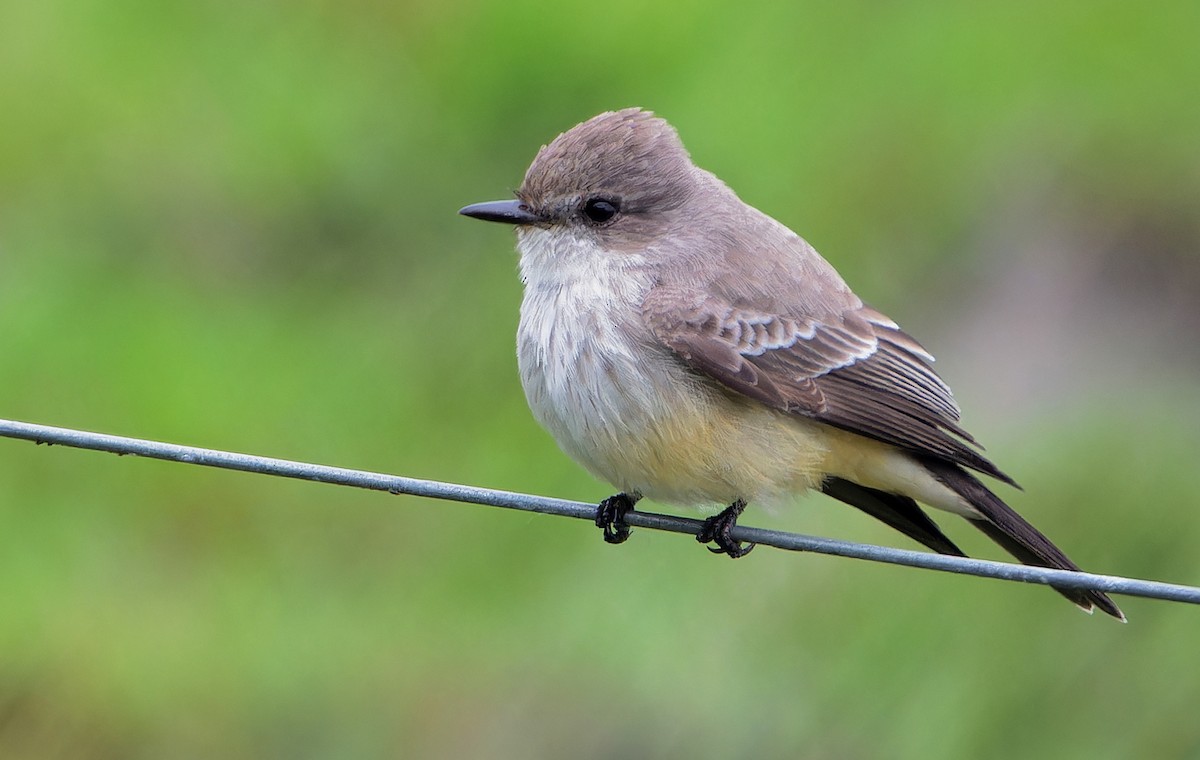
<point x="855" y="370"/>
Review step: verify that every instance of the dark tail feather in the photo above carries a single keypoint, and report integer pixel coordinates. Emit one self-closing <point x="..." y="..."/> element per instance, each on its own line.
<point x="900" y="512"/>
<point x="1016" y="535"/>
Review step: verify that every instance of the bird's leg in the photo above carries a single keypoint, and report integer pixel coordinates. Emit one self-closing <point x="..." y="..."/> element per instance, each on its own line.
<point x="718" y="527"/>
<point x="610" y="516"/>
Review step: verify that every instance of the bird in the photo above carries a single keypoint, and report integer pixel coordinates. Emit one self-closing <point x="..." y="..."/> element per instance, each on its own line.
<point x="688" y="348"/>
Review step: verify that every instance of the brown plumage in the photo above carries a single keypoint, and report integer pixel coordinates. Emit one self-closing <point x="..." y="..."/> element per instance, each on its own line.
<point x="687" y="347"/>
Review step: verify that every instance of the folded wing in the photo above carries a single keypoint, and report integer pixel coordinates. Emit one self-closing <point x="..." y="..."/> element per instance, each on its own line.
<point x="854" y="369"/>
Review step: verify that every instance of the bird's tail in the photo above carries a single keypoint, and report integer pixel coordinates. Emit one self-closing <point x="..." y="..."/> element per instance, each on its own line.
<point x="1015" y="534"/>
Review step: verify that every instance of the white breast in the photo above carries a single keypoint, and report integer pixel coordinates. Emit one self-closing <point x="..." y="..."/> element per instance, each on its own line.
<point x="625" y="407"/>
<point x="578" y="345"/>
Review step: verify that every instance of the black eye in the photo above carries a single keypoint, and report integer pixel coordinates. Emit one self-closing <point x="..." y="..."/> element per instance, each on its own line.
<point x="600" y="210"/>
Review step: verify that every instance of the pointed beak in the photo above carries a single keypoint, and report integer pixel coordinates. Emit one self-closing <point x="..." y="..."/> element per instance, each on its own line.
<point x="509" y="212"/>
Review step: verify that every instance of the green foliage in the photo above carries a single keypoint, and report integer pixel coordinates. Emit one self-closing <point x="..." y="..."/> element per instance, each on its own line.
<point x="233" y="226"/>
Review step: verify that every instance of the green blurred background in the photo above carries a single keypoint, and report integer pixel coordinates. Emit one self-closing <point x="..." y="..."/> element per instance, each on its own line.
<point x="233" y="225"/>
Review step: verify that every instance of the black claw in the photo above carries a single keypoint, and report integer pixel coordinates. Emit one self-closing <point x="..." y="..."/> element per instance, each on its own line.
<point x="610" y="516"/>
<point x="718" y="528"/>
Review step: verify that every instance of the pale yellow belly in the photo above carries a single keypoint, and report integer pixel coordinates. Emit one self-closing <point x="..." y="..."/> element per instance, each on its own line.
<point x="733" y="448"/>
<point x="715" y="452"/>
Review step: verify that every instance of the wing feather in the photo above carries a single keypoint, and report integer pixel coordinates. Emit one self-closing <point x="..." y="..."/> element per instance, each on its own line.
<point x="854" y="369"/>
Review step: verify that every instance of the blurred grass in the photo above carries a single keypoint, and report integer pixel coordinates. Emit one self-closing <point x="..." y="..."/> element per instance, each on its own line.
<point x="234" y="227"/>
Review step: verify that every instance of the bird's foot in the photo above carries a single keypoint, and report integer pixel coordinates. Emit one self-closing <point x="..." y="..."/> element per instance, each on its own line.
<point x="717" y="529"/>
<point x="610" y="516"/>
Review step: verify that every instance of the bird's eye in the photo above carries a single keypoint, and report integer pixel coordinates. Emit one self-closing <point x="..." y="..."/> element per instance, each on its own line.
<point x="600" y="210"/>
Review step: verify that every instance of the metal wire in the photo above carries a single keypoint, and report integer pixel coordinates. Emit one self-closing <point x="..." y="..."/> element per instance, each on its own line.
<point x="1112" y="584"/>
